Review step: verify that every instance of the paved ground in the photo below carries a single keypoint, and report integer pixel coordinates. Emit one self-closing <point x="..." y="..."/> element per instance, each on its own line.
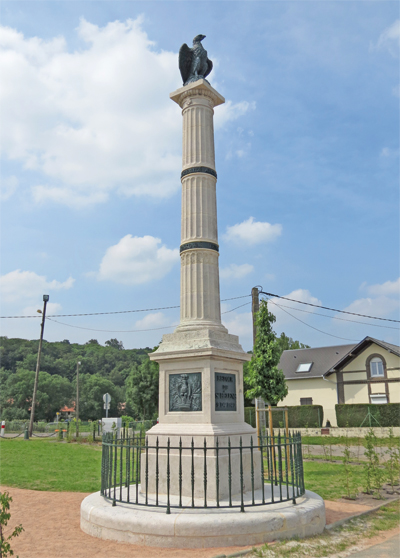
<point x="386" y="549"/>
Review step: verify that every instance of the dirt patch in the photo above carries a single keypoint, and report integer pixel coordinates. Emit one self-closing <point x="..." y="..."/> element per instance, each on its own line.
<point x="52" y="530"/>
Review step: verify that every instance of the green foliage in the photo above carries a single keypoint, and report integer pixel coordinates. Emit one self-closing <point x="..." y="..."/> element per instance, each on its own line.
<point x="91" y="391"/>
<point x="374" y="474"/>
<point x="142" y="390"/>
<point x="286" y="343"/>
<point x="5" y="515"/>
<point x="357" y="414"/>
<point x="16" y="395"/>
<point x="265" y="380"/>
<point x="108" y="367"/>
<point x="392" y="463"/>
<point x="347" y="468"/>
<point x="250" y="416"/>
<point x="304" y="416"/>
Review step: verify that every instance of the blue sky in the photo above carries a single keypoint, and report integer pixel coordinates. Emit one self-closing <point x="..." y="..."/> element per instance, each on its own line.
<point x="307" y="154"/>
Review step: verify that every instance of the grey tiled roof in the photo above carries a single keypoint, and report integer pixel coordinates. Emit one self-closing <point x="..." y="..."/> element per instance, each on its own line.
<point x="323" y="359"/>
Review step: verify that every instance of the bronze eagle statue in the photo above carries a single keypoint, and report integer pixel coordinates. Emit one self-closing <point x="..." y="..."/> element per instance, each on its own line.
<point x="193" y="62"/>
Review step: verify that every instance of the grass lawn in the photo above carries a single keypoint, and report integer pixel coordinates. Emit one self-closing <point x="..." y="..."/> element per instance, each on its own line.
<point x="328" y="480"/>
<point x="339" y="440"/>
<point x="57" y="466"/>
<point x="50" y="465"/>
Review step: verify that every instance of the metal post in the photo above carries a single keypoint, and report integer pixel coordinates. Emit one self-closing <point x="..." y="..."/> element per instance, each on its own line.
<point x="77" y="400"/>
<point x="271" y="432"/>
<point x="255" y="307"/>
<point x="45" y="300"/>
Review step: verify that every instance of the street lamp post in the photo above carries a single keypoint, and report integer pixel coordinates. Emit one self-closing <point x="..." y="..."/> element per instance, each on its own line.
<point x="77" y="399"/>
<point x="35" y="386"/>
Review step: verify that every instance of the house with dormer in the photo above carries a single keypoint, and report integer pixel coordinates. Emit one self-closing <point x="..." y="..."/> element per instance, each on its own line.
<point x="368" y="372"/>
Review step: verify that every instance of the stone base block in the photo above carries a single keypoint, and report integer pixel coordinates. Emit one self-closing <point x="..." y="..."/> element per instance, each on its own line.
<point x="203" y="528"/>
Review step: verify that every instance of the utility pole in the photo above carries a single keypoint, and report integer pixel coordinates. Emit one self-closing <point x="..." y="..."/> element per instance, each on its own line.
<point x="77" y="399"/>
<point x="255" y="307"/>
<point x="45" y="301"/>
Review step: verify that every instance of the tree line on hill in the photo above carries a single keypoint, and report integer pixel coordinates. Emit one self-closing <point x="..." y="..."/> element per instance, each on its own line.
<point x="127" y="375"/>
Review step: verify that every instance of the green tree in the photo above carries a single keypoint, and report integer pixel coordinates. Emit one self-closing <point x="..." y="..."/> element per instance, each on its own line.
<point x="91" y="391"/>
<point x="115" y="344"/>
<point x="142" y="390"/>
<point x="286" y="343"/>
<point x="264" y="377"/>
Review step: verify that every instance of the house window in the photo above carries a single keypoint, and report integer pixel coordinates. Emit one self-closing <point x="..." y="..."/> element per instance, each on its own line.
<point x="376" y="367"/>
<point x="304" y="367"/>
<point x="378" y="398"/>
<point x="306" y="401"/>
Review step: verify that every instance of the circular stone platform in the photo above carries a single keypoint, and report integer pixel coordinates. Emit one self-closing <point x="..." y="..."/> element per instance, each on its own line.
<point x="202" y="528"/>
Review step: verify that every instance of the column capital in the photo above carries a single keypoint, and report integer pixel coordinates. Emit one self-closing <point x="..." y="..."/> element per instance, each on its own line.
<point x="200" y="88"/>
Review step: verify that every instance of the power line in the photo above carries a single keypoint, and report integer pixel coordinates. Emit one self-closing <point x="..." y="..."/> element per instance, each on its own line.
<point x="336" y="317"/>
<point x="111" y="330"/>
<point x="133" y="330"/>
<point x="312" y="327"/>
<point x="327" y="308"/>
<point x="115" y="312"/>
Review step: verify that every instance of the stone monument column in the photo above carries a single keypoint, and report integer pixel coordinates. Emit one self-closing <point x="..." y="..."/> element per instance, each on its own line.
<point x="200" y="298"/>
<point x="201" y="395"/>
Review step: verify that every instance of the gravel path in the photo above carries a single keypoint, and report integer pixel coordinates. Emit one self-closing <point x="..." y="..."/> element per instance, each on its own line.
<point x="51" y="523"/>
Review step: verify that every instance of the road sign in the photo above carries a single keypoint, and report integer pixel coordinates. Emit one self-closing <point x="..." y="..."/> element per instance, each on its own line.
<point x="106" y="399"/>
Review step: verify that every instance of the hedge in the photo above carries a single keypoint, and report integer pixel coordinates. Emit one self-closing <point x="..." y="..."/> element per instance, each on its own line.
<point x="300" y="416"/>
<point x="387" y="414"/>
<point x="250" y="416"/>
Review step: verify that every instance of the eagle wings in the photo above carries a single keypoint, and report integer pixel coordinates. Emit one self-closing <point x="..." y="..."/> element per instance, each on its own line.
<point x="193" y="62"/>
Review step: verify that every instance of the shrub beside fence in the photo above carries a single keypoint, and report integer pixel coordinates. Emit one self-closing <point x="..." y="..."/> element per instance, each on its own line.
<point x="300" y="416"/>
<point x="364" y="414"/>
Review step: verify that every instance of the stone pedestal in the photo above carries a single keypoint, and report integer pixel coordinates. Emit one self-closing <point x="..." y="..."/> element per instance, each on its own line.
<point x="201" y="364"/>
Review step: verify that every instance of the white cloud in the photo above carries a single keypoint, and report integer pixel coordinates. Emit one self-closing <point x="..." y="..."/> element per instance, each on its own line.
<point x="239" y="324"/>
<point x="386" y="289"/>
<point x="231" y="111"/>
<point x="302" y="295"/>
<point x="387" y="152"/>
<point x="27" y="285"/>
<point x="390" y="39"/>
<point x="136" y="260"/>
<point x="99" y="118"/>
<point x="235" y="271"/>
<point x="51" y="308"/>
<point x="381" y="306"/>
<point x="252" y="232"/>
<point x="383" y="299"/>
<point x="151" y="321"/>
<point x="8" y="185"/>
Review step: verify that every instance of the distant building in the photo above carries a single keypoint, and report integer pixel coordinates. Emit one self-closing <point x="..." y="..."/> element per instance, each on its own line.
<point x="368" y="372"/>
<point x="67" y="412"/>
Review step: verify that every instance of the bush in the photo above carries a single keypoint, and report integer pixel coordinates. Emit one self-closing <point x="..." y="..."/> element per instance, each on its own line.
<point x="306" y="416"/>
<point x="250" y="416"/>
<point x="300" y="416"/>
<point x="357" y="414"/>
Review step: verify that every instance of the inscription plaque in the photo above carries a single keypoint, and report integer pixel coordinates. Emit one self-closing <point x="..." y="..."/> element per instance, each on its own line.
<point x="185" y="392"/>
<point x="225" y="392"/>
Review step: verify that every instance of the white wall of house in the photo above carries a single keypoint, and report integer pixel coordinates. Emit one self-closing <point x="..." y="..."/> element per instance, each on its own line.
<point x="321" y="391"/>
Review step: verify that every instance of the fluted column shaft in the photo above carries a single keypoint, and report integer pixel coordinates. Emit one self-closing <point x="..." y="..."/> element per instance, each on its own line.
<point x="200" y="295"/>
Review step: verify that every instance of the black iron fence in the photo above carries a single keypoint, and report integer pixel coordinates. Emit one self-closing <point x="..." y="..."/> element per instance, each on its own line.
<point x="206" y="476"/>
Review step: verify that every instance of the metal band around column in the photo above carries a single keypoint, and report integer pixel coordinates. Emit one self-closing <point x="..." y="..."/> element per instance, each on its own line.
<point x="199" y="244"/>
<point x="192" y="170"/>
